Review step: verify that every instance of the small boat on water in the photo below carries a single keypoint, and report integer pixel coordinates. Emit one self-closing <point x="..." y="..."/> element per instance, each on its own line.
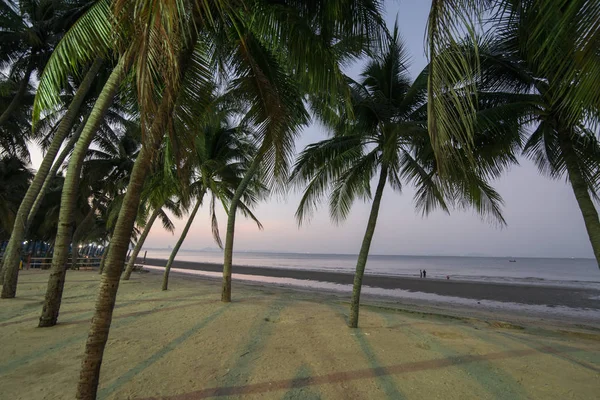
<point x="512" y="260"/>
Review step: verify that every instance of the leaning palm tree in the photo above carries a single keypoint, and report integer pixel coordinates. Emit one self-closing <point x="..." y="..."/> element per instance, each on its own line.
<point x="308" y="39"/>
<point x="221" y="156"/>
<point x="69" y="196"/>
<point x="563" y="143"/>
<point x="12" y="254"/>
<point x="106" y="170"/>
<point x="388" y="138"/>
<point x="546" y="52"/>
<point x="333" y="37"/>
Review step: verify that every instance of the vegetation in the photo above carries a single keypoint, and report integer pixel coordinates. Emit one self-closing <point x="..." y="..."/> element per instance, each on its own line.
<point x="389" y="134"/>
<point x="152" y="106"/>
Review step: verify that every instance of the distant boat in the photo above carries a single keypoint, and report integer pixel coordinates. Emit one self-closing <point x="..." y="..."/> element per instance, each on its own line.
<point x="512" y="260"/>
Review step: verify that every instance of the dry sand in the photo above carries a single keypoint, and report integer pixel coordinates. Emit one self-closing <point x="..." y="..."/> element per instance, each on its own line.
<point x="273" y="343"/>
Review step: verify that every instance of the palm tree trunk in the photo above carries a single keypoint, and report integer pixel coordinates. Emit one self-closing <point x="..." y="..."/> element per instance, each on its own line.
<point x="165" y="283"/>
<point x="582" y="194"/>
<point x="56" y="280"/>
<point x="103" y="260"/>
<point x="139" y="244"/>
<point x="12" y="255"/>
<point x="74" y="254"/>
<point x="16" y="101"/>
<point x="57" y="164"/>
<point x="228" y="251"/>
<point x="78" y="233"/>
<point x="115" y="259"/>
<point x="364" y="249"/>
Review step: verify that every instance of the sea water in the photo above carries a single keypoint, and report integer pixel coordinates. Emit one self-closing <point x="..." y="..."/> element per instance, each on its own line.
<point x="575" y="272"/>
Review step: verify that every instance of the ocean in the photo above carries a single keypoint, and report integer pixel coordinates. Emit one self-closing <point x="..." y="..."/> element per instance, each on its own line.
<point x="575" y="272"/>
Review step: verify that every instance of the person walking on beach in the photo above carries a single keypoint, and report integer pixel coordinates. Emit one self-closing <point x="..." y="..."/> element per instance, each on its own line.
<point x="424" y="274"/>
<point x="420" y="273"/>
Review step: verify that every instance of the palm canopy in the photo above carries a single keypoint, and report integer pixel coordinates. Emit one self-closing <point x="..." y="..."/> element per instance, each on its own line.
<point x="258" y="42"/>
<point x="216" y="147"/>
<point x="14" y="179"/>
<point x="29" y="32"/>
<point x="389" y="133"/>
<point x="556" y="103"/>
<point x="224" y="154"/>
<point x="558" y="39"/>
<point x="503" y="68"/>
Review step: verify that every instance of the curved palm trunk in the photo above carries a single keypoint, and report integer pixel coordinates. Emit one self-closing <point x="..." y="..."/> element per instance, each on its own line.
<point x="139" y="244"/>
<point x="115" y="260"/>
<point x="13" y="251"/>
<point x="228" y="251"/>
<point x="57" y="164"/>
<point x="16" y="101"/>
<point x="364" y="249"/>
<point x="165" y="283"/>
<point x="56" y="280"/>
<point x="580" y="189"/>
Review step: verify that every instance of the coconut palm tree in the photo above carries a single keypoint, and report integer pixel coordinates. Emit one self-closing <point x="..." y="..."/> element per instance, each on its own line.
<point x="12" y="254"/>
<point x="222" y="153"/>
<point x="105" y="173"/>
<point x="350" y="30"/>
<point x="258" y="42"/>
<point x="69" y="194"/>
<point x="388" y="139"/>
<point x="117" y="118"/>
<point x="546" y="52"/>
<point x="563" y="142"/>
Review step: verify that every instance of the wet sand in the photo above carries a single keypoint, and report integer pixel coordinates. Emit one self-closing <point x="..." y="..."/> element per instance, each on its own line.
<point x="550" y="296"/>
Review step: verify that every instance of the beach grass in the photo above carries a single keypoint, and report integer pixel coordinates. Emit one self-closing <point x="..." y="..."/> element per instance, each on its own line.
<point x="273" y="343"/>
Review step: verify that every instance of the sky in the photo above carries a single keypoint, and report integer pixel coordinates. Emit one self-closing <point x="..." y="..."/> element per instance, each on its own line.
<point x="543" y="219"/>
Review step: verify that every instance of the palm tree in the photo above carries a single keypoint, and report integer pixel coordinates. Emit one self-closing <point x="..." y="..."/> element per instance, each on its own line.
<point x="222" y="153"/>
<point x="30" y="31"/>
<point x="545" y="52"/>
<point x="564" y="142"/>
<point x="12" y="254"/>
<point x="106" y="170"/>
<point x="257" y="42"/>
<point x="117" y="118"/>
<point x="333" y="37"/>
<point x="14" y="179"/>
<point x="388" y="137"/>
<point x="69" y="197"/>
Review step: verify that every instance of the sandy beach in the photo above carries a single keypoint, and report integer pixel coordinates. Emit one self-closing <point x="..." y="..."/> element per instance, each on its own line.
<point x="276" y="343"/>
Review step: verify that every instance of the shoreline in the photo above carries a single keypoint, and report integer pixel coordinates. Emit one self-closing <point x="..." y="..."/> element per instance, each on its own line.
<point x="489" y="312"/>
<point x="533" y="295"/>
